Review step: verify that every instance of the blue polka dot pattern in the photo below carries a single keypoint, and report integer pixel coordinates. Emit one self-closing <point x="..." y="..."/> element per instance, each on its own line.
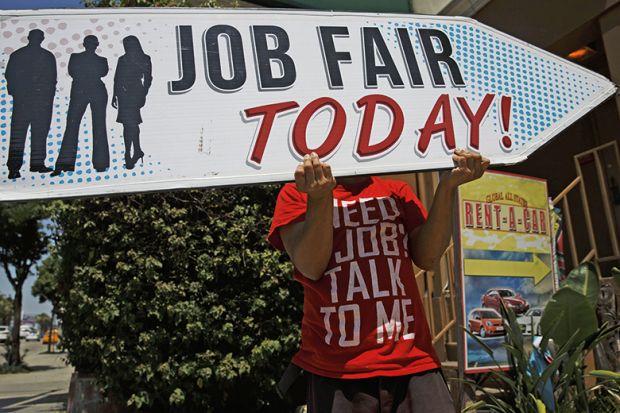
<point x="544" y="90"/>
<point x="83" y="167"/>
<point x="546" y="93"/>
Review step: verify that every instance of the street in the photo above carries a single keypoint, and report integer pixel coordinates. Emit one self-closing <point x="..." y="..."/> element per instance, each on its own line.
<point x="43" y="389"/>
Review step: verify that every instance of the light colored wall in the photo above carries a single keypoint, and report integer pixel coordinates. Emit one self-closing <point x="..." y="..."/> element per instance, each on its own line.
<point x="610" y="32"/>
<point x="542" y="22"/>
<point x="428" y="6"/>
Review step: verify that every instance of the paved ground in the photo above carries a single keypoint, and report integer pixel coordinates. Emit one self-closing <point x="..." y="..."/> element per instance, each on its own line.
<point x="42" y="390"/>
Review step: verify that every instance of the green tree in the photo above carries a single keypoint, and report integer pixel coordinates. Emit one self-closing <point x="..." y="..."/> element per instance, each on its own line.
<point x="6" y="309"/>
<point x="151" y="3"/>
<point x="176" y="301"/>
<point x="45" y="286"/>
<point x="44" y="321"/>
<point x="22" y="243"/>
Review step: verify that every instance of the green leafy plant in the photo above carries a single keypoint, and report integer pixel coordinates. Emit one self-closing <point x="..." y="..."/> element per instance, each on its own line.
<point x="521" y="388"/>
<point x="176" y="302"/>
<point x="570" y="326"/>
<point x="584" y="280"/>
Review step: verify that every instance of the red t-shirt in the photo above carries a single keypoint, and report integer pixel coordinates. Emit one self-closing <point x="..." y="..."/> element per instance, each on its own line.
<point x="364" y="317"/>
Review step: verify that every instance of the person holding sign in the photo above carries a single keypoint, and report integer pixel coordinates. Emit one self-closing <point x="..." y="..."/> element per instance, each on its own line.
<point x="365" y="344"/>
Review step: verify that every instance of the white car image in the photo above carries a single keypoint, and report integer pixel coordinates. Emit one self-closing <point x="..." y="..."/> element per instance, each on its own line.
<point x="4" y="333"/>
<point x="32" y="335"/>
<point x="530" y="321"/>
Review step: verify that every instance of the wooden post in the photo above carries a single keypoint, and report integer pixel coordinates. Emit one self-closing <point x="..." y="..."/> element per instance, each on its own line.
<point x="460" y="336"/>
<point x="605" y="194"/>
<point x="586" y="210"/>
<point x="570" y="234"/>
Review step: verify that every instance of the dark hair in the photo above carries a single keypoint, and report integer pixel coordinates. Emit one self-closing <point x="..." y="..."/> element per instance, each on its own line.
<point x="91" y="40"/>
<point x="133" y="47"/>
<point x="36" y="35"/>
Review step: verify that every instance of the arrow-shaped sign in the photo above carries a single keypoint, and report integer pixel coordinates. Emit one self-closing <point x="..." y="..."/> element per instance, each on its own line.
<point x="536" y="269"/>
<point x="232" y="97"/>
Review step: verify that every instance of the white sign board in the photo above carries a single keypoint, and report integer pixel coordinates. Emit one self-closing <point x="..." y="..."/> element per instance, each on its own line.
<point x="132" y="100"/>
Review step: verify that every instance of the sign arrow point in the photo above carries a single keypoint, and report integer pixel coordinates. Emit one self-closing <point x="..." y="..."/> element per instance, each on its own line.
<point x="536" y="268"/>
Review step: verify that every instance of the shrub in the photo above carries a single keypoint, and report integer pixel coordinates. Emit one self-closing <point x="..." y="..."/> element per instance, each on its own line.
<point x="175" y="301"/>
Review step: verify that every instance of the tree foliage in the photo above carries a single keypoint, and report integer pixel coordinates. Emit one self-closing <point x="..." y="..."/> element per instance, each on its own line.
<point x="176" y="301"/>
<point x="45" y="286"/>
<point x="150" y="3"/>
<point x="6" y="309"/>
<point x="22" y="243"/>
<point x="44" y="321"/>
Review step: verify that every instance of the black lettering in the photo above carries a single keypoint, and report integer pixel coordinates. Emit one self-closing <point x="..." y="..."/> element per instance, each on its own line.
<point x="415" y="78"/>
<point x="331" y="57"/>
<point x="433" y="57"/>
<point x="264" y="56"/>
<point x="373" y="41"/>
<point x="185" y="55"/>
<point x="213" y="63"/>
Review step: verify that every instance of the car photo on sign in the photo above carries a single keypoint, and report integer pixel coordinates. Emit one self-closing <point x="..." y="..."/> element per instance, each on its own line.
<point x="511" y="299"/>
<point x="530" y="321"/>
<point x="485" y="322"/>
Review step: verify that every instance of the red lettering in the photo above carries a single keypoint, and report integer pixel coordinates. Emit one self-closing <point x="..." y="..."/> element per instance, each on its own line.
<point x="498" y="222"/>
<point x="534" y="222"/>
<point x="543" y="222"/>
<point x="369" y="103"/>
<point x="339" y="122"/>
<point x="269" y="113"/>
<point x="488" y="216"/>
<point x="431" y="126"/>
<point x="526" y="220"/>
<point x="478" y="215"/>
<point x="511" y="219"/>
<point x="469" y="216"/>
<point x="475" y="119"/>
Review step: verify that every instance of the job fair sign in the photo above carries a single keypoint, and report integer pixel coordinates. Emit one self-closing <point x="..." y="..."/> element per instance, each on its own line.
<point x="132" y="100"/>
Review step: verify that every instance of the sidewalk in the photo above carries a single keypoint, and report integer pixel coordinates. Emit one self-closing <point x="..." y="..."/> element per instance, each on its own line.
<point x="42" y="390"/>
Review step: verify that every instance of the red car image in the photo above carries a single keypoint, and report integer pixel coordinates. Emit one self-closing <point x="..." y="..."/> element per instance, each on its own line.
<point x="512" y="300"/>
<point x="485" y="322"/>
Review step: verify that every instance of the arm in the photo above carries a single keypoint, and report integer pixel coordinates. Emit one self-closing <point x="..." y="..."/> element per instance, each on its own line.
<point x="309" y="243"/>
<point x="117" y="83"/>
<point x="9" y="74"/>
<point x="53" y="72"/>
<point x="428" y="242"/>
<point x="104" y="68"/>
<point x="72" y="66"/>
<point x="148" y="75"/>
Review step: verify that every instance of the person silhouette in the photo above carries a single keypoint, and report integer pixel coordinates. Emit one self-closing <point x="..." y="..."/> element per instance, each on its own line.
<point x="132" y="81"/>
<point x="31" y="80"/>
<point x="86" y="68"/>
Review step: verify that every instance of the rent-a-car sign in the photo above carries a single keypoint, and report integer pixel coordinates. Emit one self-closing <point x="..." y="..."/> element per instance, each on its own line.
<point x="132" y="100"/>
<point x="506" y="257"/>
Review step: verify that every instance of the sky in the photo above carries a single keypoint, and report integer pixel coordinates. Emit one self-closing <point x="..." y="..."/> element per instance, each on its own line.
<point x="38" y="4"/>
<point x="31" y="304"/>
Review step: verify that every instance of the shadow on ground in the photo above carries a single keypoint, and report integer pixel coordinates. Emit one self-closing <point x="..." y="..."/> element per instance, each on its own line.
<point x="43" y="368"/>
<point x="15" y="404"/>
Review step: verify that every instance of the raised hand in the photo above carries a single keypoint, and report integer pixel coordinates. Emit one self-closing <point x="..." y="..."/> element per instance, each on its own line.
<point x="314" y="177"/>
<point x="468" y="166"/>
